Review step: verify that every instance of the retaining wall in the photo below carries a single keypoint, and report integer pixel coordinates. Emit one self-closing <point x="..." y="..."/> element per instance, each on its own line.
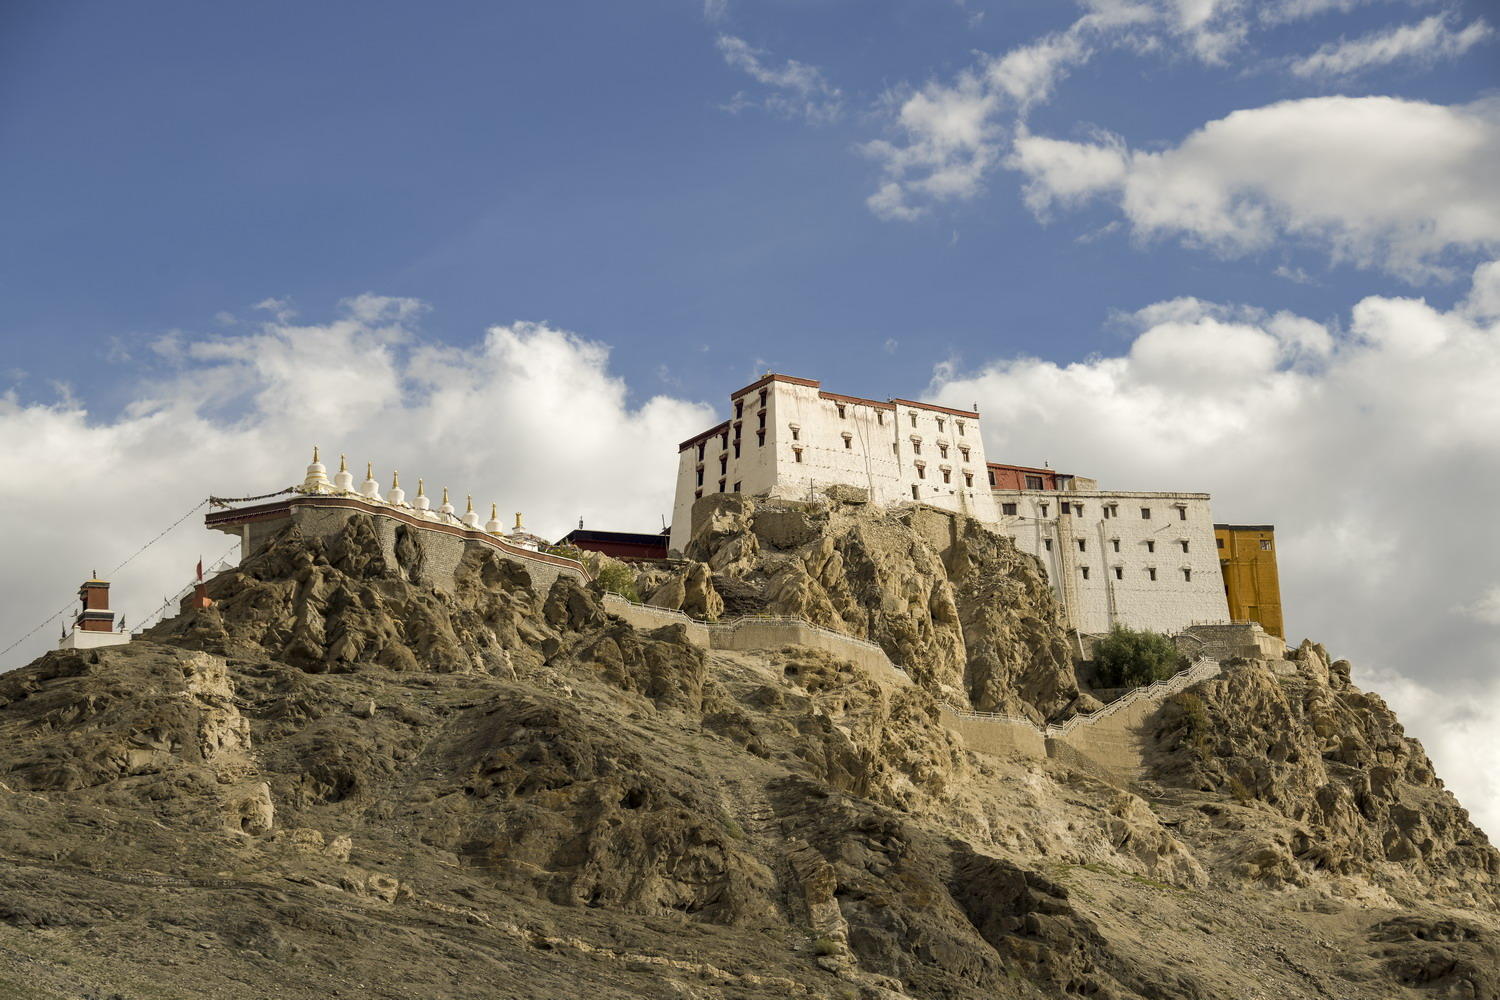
<point x="1108" y="744"/>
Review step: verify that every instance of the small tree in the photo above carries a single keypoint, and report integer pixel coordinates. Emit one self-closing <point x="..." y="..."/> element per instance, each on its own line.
<point x="1130" y="658"/>
<point x="617" y="578"/>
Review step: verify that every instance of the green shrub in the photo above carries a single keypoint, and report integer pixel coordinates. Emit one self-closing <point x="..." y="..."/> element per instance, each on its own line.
<point x="1130" y="658"/>
<point x="617" y="578"/>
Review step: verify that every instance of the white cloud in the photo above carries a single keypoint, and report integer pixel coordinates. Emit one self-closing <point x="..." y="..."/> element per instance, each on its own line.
<point x="1375" y="181"/>
<point x="1424" y="42"/>
<point x="798" y="90"/>
<point x="715" y="11"/>
<point x="1371" y="446"/>
<point x="948" y="142"/>
<point x="530" y="418"/>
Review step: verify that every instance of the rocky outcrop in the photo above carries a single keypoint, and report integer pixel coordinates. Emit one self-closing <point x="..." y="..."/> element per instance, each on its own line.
<point x="1362" y="795"/>
<point x="967" y="614"/>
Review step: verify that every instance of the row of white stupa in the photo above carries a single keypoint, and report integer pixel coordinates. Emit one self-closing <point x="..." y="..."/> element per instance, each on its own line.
<point x="317" y="481"/>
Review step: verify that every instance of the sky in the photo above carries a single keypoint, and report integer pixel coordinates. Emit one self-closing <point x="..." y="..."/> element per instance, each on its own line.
<point x="523" y="250"/>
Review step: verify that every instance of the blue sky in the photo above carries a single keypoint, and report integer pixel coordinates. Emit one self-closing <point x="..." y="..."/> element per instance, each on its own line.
<point x="574" y="162"/>
<point x="522" y="250"/>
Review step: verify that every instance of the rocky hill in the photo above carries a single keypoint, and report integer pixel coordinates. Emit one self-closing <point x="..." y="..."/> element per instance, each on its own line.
<point x="337" y="782"/>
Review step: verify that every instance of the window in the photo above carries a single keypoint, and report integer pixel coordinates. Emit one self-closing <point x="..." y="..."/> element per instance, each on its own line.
<point x="1150" y="546"/>
<point x="739" y="408"/>
<point x="940" y="424"/>
<point x="1265" y="544"/>
<point x="947" y="475"/>
<point x="914" y="494"/>
<point x="916" y="446"/>
<point x="913" y="419"/>
<point x="896" y="447"/>
<point x="1219" y="542"/>
<point x="964" y="451"/>
<point x="842" y="414"/>
<point x="761" y="417"/>
<point x="721" y="485"/>
<point x="1108" y="513"/>
<point x="736" y="449"/>
<point x="796" y="432"/>
<point x="1083" y="545"/>
<point x="1182" y="513"/>
<point x="1078" y="510"/>
<point x="700" y="449"/>
<point x="723" y="460"/>
<point x="880" y="417"/>
<point x="992" y="481"/>
<point x="1047" y="544"/>
<point x="921" y="472"/>
<point x="1187" y="575"/>
<point x="724" y="438"/>
<point x="763" y="399"/>
<point x="960" y="425"/>
<point x="760" y="438"/>
<point x="736" y="487"/>
<point x="1044" y="510"/>
<point x="1184" y="544"/>
<point x="697" y="494"/>
<point x="1119" y="572"/>
<point x="797" y="452"/>
<point x="1151" y="572"/>
<point x="968" y="479"/>
<point x="848" y="440"/>
<point x="942" y="450"/>
<point x="1033" y="482"/>
<point x="1115" y="544"/>
<point x="700" y="478"/>
<point x="1085" y="571"/>
<point x="1145" y="513"/>
<point x="1008" y="508"/>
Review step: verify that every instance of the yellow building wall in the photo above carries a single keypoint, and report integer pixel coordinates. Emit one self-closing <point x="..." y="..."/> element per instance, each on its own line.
<point x="1247" y="557"/>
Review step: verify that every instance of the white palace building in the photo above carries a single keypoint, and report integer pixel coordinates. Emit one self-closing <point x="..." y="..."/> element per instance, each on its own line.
<point x="1142" y="559"/>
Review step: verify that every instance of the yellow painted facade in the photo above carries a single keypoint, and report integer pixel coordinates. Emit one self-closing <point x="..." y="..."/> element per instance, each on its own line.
<point x="1247" y="557"/>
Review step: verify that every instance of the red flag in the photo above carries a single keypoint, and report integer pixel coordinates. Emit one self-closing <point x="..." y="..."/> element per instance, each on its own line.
<point x="200" y="569"/>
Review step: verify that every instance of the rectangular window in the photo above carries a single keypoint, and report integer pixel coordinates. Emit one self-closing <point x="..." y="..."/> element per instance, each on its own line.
<point x="796" y="434"/>
<point x="880" y="417"/>
<point x="916" y="447"/>
<point x="968" y="479"/>
<point x="1044" y="510"/>
<point x="761" y="416"/>
<point x="1182" y="513"/>
<point x="1119" y="572"/>
<point x="1187" y="575"/>
<point x="697" y="494"/>
<point x="721" y="485"/>
<point x="700" y="450"/>
<point x="1047" y="542"/>
<point x="1151" y="573"/>
<point x="1265" y="544"/>
<point x="947" y="475"/>
<point x="921" y="472"/>
<point x="1107" y="514"/>
<point x="848" y="443"/>
<point x="1150" y="546"/>
<point x="964" y="452"/>
<point x="760" y="438"/>
<point x="960" y="427"/>
<point x="1083" y="545"/>
<point x="700" y="478"/>
<point x="1184" y="545"/>
<point x="736" y="487"/>
<point x="842" y="415"/>
<point x="1115" y="543"/>
<point x="940" y="424"/>
<point x="763" y="399"/>
<point x="1033" y="482"/>
<point x="736" y="449"/>
<point x="1008" y="508"/>
<point x="739" y="408"/>
<point x="943" y="450"/>
<point x="1145" y="513"/>
<point x="913" y="419"/>
<point x="992" y="478"/>
<point x="1219" y="542"/>
<point x="914" y="494"/>
<point x="1085" y="571"/>
<point x="798" y="453"/>
<point x="1078" y="510"/>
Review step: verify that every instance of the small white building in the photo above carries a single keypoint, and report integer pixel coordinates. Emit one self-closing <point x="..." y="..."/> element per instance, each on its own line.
<point x="786" y="437"/>
<point x="1145" y="560"/>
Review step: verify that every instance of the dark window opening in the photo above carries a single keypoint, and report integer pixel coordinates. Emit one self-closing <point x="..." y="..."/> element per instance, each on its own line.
<point x="915" y="495"/>
<point x="1265" y="544"/>
<point x="1187" y="574"/>
<point x="947" y="475"/>
<point x="736" y="449"/>
<point x="1119" y="572"/>
<point x="1115" y="542"/>
<point x="736" y="487"/>
<point x="739" y="408"/>
<point x="1044" y="510"/>
<point x="1008" y="508"/>
<point x="992" y="478"/>
<point x="1182" y="513"/>
<point x="968" y="479"/>
<point x="1033" y="482"/>
<point x="1047" y="542"/>
<point x="760" y="438"/>
<point x="1145" y="513"/>
<point x="1083" y="545"/>
<point x="700" y="478"/>
<point x="842" y="414"/>
<point x="1150" y="546"/>
<point x="1184" y="545"/>
<point x="798" y="453"/>
<point x="1085" y="571"/>
<point x="1151" y="572"/>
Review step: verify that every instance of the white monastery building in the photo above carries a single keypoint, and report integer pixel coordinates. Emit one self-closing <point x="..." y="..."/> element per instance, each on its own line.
<point x="1142" y="559"/>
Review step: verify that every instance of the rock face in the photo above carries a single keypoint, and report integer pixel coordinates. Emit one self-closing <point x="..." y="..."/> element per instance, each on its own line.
<point x="963" y="610"/>
<point x="338" y="783"/>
